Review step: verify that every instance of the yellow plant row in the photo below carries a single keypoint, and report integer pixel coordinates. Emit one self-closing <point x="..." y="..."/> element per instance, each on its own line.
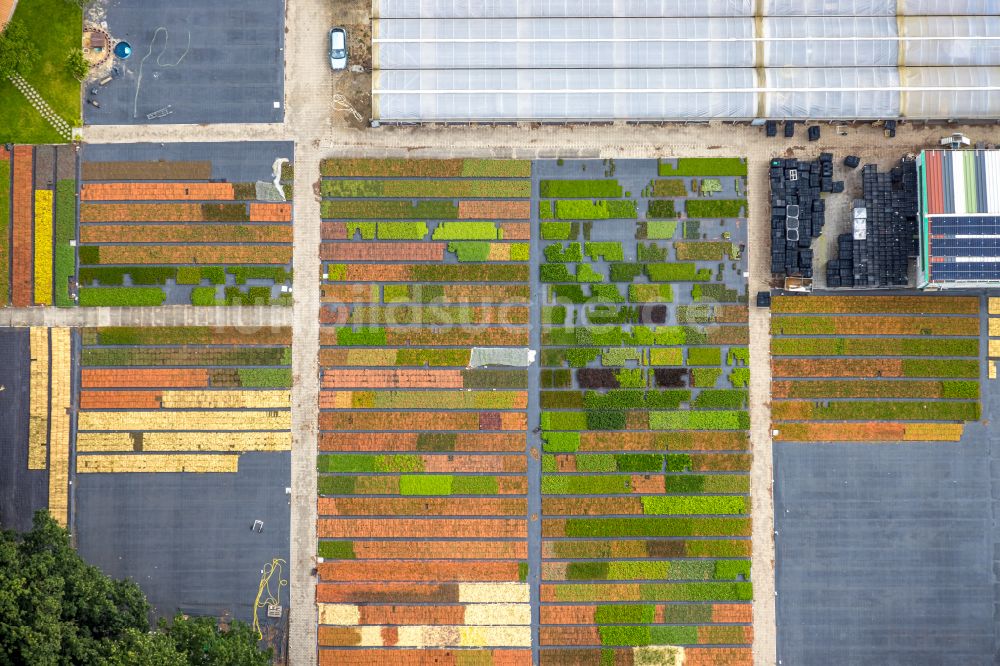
<point x="493" y="593"/>
<point x="59" y="426"/>
<point x="994" y="326"/>
<point x="434" y="636"/>
<point x="38" y="399"/>
<point x="141" y="462"/>
<point x="226" y="399"/>
<point x="349" y="615"/>
<point x="994" y="347"/>
<point x="105" y="442"/>
<point x="169" y="420"/>
<point x="43" y="247"/>
<point x="993" y="369"/>
<point x="994" y="305"/>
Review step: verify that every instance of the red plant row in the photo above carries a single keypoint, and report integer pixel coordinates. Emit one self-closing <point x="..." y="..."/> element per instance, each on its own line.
<point x="22" y="248"/>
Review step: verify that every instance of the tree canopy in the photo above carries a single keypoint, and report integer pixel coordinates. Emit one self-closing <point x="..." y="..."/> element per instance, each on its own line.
<point x="17" y="51"/>
<point x="57" y="609"/>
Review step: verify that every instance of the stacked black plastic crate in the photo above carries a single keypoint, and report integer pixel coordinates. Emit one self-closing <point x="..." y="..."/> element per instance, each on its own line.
<point x="882" y="257"/>
<point x="798" y="212"/>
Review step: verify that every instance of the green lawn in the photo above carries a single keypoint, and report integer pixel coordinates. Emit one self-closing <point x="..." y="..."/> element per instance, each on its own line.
<point x="57" y="28"/>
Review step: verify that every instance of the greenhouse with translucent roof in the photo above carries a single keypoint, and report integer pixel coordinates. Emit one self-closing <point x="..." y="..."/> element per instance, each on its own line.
<point x="605" y="60"/>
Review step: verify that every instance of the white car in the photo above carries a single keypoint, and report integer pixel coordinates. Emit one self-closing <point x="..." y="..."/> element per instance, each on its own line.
<point x="338" y="48"/>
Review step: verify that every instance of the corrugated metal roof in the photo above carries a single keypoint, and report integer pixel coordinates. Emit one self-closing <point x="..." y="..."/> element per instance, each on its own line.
<point x="960" y="230"/>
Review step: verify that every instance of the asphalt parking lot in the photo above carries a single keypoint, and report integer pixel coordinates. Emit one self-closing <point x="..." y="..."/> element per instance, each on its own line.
<point x="194" y="61"/>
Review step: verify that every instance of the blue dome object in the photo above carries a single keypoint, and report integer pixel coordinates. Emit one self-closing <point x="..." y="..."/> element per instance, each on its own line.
<point x="123" y="50"/>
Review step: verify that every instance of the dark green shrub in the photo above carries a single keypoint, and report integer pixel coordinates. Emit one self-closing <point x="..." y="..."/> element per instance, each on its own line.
<point x="556" y="253"/>
<point x="662" y="208"/>
<point x="625" y="272"/>
<point x="90" y="254"/>
<point x="555" y="273"/>
<point x="121" y="296"/>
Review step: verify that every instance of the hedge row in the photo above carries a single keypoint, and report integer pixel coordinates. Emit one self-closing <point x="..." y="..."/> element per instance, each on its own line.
<point x="595" y="210"/>
<point x="409" y="484"/>
<point x="121" y="296"/>
<point x="391" y="210"/>
<point x="880" y="411"/>
<point x="412" y="189"/>
<point x="616" y="336"/>
<point x="967" y="305"/>
<point x="580" y="189"/>
<point x="967" y="390"/>
<point x="716" y="208"/>
<point x="704" y="166"/>
<point x="874" y="347"/>
<point x="64" y="232"/>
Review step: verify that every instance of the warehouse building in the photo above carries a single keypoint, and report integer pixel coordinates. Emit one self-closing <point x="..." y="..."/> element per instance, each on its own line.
<point x="959" y="219"/>
<point x="568" y="60"/>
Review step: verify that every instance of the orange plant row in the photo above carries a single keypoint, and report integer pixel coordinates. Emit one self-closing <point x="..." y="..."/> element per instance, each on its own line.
<point x="872" y="431"/>
<point x="185" y="233"/>
<point x="422" y="506"/>
<point x="139" y="378"/>
<point x="466" y="528"/>
<point x="429" y="421"/>
<point x="424" y="571"/>
<point x="156" y="192"/>
<point x="411" y="441"/>
<point x="382" y="251"/>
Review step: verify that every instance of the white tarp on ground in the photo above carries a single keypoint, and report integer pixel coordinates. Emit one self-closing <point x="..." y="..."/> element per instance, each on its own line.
<point x="504" y="60"/>
<point x="514" y="357"/>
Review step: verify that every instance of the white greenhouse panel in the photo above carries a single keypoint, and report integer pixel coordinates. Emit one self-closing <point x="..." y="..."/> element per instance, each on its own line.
<point x="961" y="102"/>
<point x="831" y="93"/>
<point x="470" y="95"/>
<point x="563" y="43"/>
<point x="560" y="8"/>
<point x="958" y="44"/>
<point x="831" y="42"/>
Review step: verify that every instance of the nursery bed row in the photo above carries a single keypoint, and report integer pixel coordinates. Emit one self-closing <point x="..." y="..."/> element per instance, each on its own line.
<point x="203" y="241"/>
<point x="924" y="397"/>
<point x="424" y="411"/>
<point x="162" y="400"/>
<point x="644" y="367"/>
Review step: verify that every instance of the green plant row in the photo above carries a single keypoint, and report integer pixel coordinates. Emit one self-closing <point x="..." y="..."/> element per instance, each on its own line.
<point x="412" y="189"/>
<point x="692" y="505"/>
<point x="705" y="250"/>
<point x="669" y="272"/>
<point x="559" y="230"/>
<point x="940" y="368"/>
<point x="573" y="293"/>
<point x="413" y="485"/>
<point x="706" y="591"/>
<point x="595" y="210"/>
<point x="608" y="484"/>
<point x="649" y="526"/>
<point x="402" y="167"/>
<point x="121" y="296"/>
<point x="884" y="411"/>
<point x="660" y="230"/>
<point x="642" y="463"/>
<point x="185" y="356"/>
<point x="650" y="293"/>
<point x="606" y="251"/>
<point x="662" y="208"/>
<point x="669" y="188"/>
<point x="467" y="231"/>
<point x="604" y="314"/>
<point x="369" y="463"/>
<point x="391" y="210"/>
<point x="721" y="399"/>
<point x="580" y="189"/>
<point x="64" y="232"/>
<point x="836" y="388"/>
<point x="628" y="570"/>
<point x="710" y="420"/>
<point x="704" y="356"/>
<point x="716" y="208"/>
<point x="716" y="293"/>
<point x="705" y="166"/>
<point x="467" y="251"/>
<point x="875" y="347"/>
<point x="616" y="336"/>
